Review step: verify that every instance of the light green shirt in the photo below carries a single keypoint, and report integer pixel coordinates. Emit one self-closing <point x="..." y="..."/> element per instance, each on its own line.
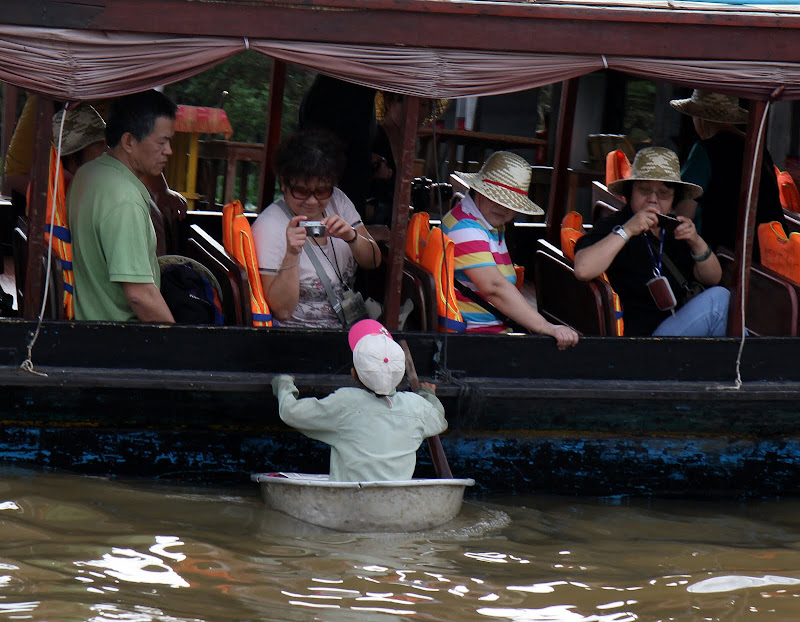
<point x="113" y="240"/>
<point x="372" y="438"/>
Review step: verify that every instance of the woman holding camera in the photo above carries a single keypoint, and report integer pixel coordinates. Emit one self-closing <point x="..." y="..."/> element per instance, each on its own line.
<point x="656" y="262"/>
<point x="311" y="240"/>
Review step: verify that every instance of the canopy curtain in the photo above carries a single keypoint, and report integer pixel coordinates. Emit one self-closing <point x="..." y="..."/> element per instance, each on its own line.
<point x="753" y="80"/>
<point x="431" y="72"/>
<point x="85" y="65"/>
<point x="74" y="65"/>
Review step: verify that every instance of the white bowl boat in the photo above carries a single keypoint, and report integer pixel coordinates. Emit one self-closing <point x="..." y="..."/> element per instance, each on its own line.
<point x="391" y="506"/>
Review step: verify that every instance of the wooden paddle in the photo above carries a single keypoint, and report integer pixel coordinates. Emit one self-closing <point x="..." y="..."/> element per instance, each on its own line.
<point x="434" y="442"/>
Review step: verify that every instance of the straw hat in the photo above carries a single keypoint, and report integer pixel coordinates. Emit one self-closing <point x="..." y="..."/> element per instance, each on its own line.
<point x="437" y="110"/>
<point x="504" y="178"/>
<point x="711" y="107"/>
<point x="379" y="362"/>
<point x="83" y="126"/>
<point x="656" y="164"/>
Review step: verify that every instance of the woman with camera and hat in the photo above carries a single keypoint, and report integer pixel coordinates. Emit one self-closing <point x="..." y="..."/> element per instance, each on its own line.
<point x="715" y="164"/>
<point x="476" y="225"/>
<point x="311" y="240"/>
<point x="654" y="260"/>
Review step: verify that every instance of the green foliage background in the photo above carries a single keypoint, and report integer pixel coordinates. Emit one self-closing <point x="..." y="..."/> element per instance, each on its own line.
<point x="246" y="79"/>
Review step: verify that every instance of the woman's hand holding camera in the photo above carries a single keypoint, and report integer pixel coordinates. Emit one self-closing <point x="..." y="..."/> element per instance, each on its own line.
<point x="642" y="221"/>
<point x="295" y="235"/>
<point x="337" y="227"/>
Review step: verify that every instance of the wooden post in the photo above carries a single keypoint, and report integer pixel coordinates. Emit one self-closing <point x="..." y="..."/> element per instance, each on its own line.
<point x="559" y="182"/>
<point x="10" y="94"/>
<point x="37" y="208"/>
<point x="273" y="133"/>
<point x="402" y="197"/>
<point x="753" y="152"/>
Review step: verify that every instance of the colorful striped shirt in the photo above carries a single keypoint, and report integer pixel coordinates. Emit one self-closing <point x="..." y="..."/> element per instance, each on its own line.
<point x="477" y="245"/>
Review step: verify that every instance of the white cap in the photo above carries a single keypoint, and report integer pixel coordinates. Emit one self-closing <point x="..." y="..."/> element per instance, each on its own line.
<point x="379" y="362"/>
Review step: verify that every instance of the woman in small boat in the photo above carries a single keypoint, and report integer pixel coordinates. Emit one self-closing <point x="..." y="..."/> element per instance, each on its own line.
<point x="654" y="263"/>
<point x="476" y="225"/>
<point x="308" y="165"/>
<point x="374" y="431"/>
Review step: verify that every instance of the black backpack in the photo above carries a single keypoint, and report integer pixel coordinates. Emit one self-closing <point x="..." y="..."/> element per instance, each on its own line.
<point x="190" y="296"/>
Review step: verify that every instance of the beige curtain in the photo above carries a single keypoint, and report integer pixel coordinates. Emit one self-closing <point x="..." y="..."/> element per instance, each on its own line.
<point x="83" y="65"/>
<point x="86" y="65"/>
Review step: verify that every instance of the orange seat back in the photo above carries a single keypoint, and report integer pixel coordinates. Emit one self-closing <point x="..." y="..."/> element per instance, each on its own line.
<point x="238" y="241"/>
<point x="617" y="166"/>
<point x="790" y="197"/>
<point x="779" y="252"/>
<point x="417" y="233"/>
<point x="571" y="231"/>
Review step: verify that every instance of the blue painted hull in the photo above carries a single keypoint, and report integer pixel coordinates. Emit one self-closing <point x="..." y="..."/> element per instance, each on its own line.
<point x="611" y="416"/>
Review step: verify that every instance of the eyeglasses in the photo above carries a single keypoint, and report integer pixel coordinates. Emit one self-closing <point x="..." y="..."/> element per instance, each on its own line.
<point x="662" y="194"/>
<point x="301" y="193"/>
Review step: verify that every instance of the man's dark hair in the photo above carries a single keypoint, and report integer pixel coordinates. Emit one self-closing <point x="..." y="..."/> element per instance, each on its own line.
<point x="310" y="154"/>
<point x="137" y="114"/>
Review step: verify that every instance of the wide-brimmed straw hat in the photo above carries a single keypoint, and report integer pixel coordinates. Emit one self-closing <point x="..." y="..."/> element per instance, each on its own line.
<point x="504" y="178"/>
<point x="83" y="126"/>
<point x="712" y="107"/>
<point x="656" y="164"/>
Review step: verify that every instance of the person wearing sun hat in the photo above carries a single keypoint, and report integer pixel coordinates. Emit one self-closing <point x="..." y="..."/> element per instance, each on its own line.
<point x="655" y="265"/>
<point x="373" y="430"/>
<point x="715" y="164"/>
<point x="497" y="193"/>
<point x="83" y="138"/>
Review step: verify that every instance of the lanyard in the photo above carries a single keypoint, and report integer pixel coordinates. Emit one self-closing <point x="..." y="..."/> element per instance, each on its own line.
<point x="656" y="264"/>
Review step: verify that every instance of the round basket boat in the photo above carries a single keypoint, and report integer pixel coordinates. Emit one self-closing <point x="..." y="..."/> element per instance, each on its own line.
<point x="395" y="506"/>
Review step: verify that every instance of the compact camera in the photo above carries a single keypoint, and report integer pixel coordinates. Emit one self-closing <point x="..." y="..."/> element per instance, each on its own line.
<point x="668" y="221"/>
<point x="314" y="228"/>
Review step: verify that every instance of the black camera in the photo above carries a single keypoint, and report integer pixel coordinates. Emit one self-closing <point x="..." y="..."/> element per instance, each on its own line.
<point x="668" y="221"/>
<point x="427" y="195"/>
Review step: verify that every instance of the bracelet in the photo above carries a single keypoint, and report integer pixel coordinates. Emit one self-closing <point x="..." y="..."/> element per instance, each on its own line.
<point x="702" y="256"/>
<point x="355" y="237"/>
<point x="294" y="265"/>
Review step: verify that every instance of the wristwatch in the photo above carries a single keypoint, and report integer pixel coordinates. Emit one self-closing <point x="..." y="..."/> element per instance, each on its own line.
<point x="621" y="233"/>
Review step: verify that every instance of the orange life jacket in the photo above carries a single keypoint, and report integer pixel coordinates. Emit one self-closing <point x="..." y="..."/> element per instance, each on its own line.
<point x="571" y="231"/>
<point x="435" y="252"/>
<point x="238" y="241"/>
<point x="779" y="252"/>
<point x="62" y="241"/>
<point x="617" y="166"/>
<point x="438" y="258"/>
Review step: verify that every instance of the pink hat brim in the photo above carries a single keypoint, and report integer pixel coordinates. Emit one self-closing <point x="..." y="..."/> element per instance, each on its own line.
<point x="363" y="328"/>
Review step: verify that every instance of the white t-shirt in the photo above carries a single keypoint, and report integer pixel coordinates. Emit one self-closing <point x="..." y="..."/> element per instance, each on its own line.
<point x="313" y="308"/>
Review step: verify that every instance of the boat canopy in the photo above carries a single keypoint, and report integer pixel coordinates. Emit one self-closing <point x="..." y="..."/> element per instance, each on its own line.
<point x="81" y="65"/>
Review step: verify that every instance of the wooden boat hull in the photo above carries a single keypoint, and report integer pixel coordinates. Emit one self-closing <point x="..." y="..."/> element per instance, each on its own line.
<point x="196" y="404"/>
<point x="396" y="506"/>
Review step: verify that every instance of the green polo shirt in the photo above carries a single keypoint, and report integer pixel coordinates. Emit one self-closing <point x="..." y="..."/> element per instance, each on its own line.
<point x="113" y="240"/>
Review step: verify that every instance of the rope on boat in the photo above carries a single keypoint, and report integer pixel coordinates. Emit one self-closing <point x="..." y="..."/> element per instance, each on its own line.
<point x="738" y="381"/>
<point x="27" y="364"/>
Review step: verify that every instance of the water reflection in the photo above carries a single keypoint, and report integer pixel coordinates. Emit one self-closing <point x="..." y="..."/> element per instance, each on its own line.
<point x="76" y="548"/>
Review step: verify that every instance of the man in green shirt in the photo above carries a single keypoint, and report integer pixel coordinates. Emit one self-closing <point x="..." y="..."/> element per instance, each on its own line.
<point x="117" y="277"/>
